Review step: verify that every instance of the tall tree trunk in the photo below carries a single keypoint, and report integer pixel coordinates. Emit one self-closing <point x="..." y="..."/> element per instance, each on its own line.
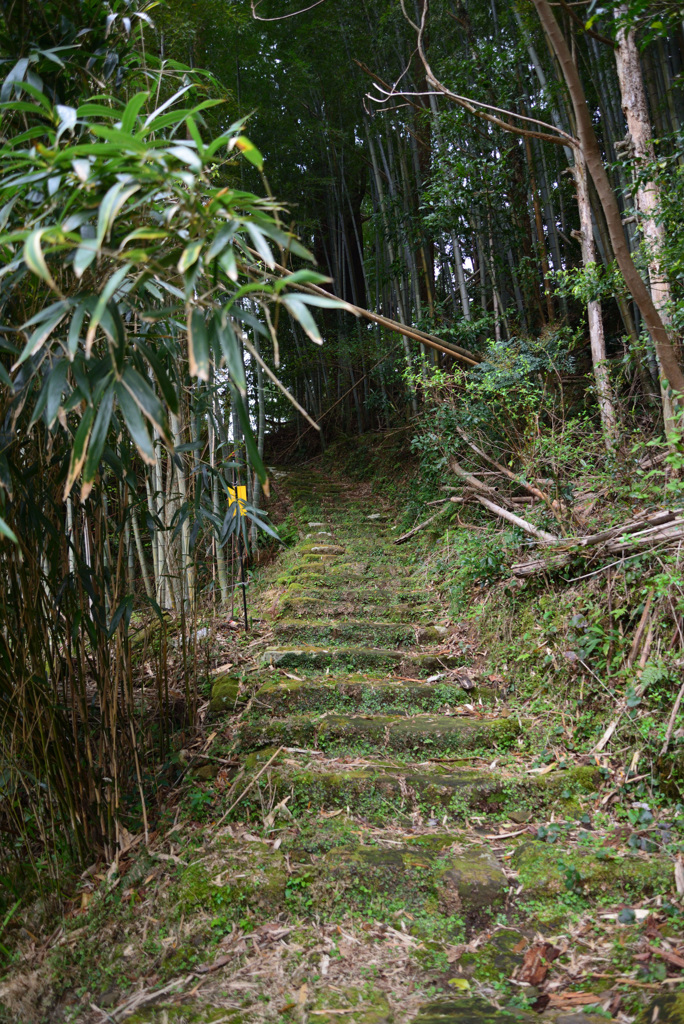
<point x="596" y="335"/>
<point x="635" y="109"/>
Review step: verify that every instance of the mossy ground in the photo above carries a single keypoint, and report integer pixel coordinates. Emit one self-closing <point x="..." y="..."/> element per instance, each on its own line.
<point x="377" y="825"/>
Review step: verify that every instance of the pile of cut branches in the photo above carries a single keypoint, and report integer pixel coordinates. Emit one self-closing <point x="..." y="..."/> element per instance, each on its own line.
<point x="648" y="530"/>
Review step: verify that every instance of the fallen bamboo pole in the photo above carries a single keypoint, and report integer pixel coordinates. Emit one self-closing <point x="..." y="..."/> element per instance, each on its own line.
<point x="431" y="340"/>
<point x="522" y="524"/>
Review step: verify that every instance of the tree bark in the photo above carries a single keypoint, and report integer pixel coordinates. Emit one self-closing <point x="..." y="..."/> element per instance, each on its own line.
<point x="646" y="196"/>
<point x="594" y="318"/>
<point x="594" y="160"/>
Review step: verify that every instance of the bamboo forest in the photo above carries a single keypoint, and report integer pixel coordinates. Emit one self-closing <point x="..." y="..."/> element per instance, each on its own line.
<point x="341" y="511"/>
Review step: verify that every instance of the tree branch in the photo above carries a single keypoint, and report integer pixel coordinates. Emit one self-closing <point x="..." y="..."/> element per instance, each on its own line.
<point x="282" y="17"/>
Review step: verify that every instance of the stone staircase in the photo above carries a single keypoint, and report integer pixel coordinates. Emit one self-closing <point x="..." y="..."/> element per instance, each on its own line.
<point x="392" y="814"/>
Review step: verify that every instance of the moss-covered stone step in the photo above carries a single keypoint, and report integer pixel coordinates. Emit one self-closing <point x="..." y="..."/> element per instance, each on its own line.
<point x="225" y="695"/>
<point x="325" y="576"/>
<point x="347" y="591"/>
<point x="361" y="632"/>
<point x="356" y="658"/>
<point x="416" y="735"/>
<point x="170" y="1013"/>
<point x="469" y="1010"/>
<point x="288" y="696"/>
<point x="304" y="606"/>
<point x="396" y="793"/>
<point x="430" y="877"/>
<point x="600" y="873"/>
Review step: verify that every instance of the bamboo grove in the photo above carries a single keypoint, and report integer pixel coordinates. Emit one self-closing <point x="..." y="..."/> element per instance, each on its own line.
<point x="229" y="230"/>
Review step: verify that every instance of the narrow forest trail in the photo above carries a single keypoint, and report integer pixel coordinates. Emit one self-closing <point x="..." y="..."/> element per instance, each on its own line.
<point x="387" y="849"/>
<point x="379" y="834"/>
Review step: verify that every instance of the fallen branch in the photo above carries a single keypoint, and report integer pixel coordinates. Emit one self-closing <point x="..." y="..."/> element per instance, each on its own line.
<point x="629" y="539"/>
<point x="522" y="524"/>
<point x="673" y="719"/>
<point x="417" y="529"/>
<point x="246" y="790"/>
<point x="526" y="486"/>
<point x="474" y="483"/>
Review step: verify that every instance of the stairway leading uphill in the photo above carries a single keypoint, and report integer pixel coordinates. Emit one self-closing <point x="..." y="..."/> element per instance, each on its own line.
<point x="385" y="853"/>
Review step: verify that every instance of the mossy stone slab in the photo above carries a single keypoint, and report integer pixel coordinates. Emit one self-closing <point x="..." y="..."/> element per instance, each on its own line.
<point x="419" y="876"/>
<point x="359" y="632"/>
<point x="290" y="696"/>
<point x="351" y="658"/>
<point x="352" y="1005"/>
<point x="387" y="732"/>
<point x="225" y="695"/>
<point x="474" y="1010"/>
<point x="495" y="961"/>
<point x="375" y="794"/>
<point x="549" y="871"/>
<point x="192" y="1014"/>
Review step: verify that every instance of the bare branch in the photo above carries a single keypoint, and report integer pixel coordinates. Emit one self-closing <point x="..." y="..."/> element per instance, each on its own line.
<point x="475" y="107"/>
<point x="282" y="17"/>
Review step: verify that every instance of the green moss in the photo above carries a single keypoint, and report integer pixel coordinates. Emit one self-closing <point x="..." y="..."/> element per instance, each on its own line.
<point x="495" y="961"/>
<point x="254" y="883"/>
<point x="358" y="632"/>
<point x="171" y="1014"/>
<point x="549" y="872"/>
<point x="359" y="1006"/>
<point x="225" y="695"/>
<point x="666" y="1009"/>
<point x="467" y="1011"/>
<point x="401" y="734"/>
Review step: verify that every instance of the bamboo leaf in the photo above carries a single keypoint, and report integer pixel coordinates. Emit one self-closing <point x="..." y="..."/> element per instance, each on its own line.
<point x="67" y="120"/>
<point x="298" y="310"/>
<point x="301" y="277"/>
<point x="228" y="264"/>
<point x="133" y="108"/>
<point x="84" y="255"/>
<point x="249" y="151"/>
<point x="109" y="290"/>
<point x="41" y="334"/>
<point x="7" y="532"/>
<point x="190" y="255"/>
<point x="225" y="344"/>
<point x="135" y="424"/>
<point x="198" y="346"/>
<point x="86" y="306"/>
<point x="151" y="118"/>
<point x="223" y="236"/>
<point x="97" y="441"/>
<point x="167" y="388"/>
<point x="124" y="611"/>
<point x="147" y="401"/>
<point x="110" y="206"/>
<point x="118" y="138"/>
<point x="35" y="260"/>
<point x="51" y="395"/>
<point x="79" y="449"/>
<point x="261" y="245"/>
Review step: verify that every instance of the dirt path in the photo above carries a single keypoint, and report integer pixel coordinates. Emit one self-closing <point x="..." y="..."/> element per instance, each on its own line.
<point x="376" y="840"/>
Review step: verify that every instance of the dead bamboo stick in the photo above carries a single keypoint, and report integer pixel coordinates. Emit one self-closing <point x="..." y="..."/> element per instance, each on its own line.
<point x="522" y="524"/>
<point x="472" y="481"/>
<point x="463" y="354"/>
<point x="421" y="526"/>
<point x="526" y="486"/>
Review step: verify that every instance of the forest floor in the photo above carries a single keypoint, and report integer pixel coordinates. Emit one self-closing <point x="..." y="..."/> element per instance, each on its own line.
<point x="370" y="829"/>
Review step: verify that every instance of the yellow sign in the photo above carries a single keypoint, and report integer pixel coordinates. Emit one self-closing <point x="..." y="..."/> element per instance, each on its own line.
<point x="239" y="503"/>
